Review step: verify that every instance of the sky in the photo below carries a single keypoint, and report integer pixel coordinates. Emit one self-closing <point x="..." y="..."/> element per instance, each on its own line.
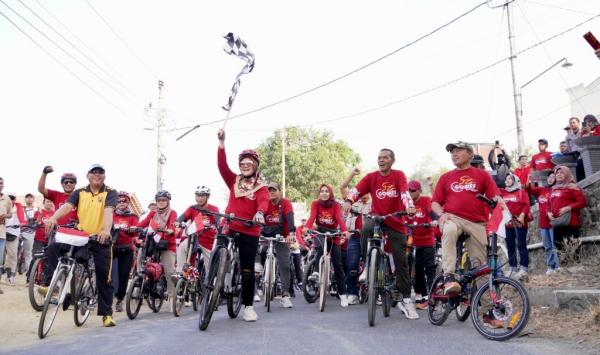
<point x="49" y="117"/>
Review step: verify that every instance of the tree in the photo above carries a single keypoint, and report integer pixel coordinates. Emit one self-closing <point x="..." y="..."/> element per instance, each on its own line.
<point x="311" y="157"/>
<point x="426" y="168"/>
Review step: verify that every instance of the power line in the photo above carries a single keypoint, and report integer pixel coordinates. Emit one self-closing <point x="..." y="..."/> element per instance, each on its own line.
<point x="64" y="66"/>
<point x="122" y="40"/>
<point x="65" y="51"/>
<point x="559" y="8"/>
<point x="362" y="67"/>
<point x="77" y="49"/>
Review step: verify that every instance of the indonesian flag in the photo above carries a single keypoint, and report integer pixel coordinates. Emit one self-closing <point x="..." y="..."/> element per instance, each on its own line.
<point x="152" y="228"/>
<point x="71" y="236"/>
<point x="497" y="222"/>
<point x="196" y="226"/>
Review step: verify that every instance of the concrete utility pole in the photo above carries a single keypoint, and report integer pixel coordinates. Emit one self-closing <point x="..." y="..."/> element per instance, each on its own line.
<point x="159" y="113"/>
<point x="283" y="162"/>
<point x="516" y="89"/>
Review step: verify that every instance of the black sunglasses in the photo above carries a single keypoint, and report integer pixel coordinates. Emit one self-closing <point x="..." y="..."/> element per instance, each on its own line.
<point x="122" y="201"/>
<point x="68" y="182"/>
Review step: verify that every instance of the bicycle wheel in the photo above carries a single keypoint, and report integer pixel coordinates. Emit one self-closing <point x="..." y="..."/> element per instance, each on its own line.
<point x="158" y="299"/>
<point x="213" y="290"/>
<point x="85" y="298"/>
<point x="323" y="282"/>
<point x="36" y="278"/>
<point x="234" y="300"/>
<point x="196" y="294"/>
<point x="438" y="308"/>
<point x="372" y="285"/>
<point x="501" y="312"/>
<point x="134" y="296"/>
<point x="268" y="281"/>
<point x="310" y="286"/>
<point x="463" y="310"/>
<point x="386" y="296"/>
<point x="53" y="302"/>
<point x="181" y="291"/>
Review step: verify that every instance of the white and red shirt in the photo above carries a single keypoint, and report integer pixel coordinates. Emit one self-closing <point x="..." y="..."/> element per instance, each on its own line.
<point x="205" y="239"/>
<point x="566" y="196"/>
<point x="273" y="217"/>
<point x="125" y="221"/>
<point x="59" y="199"/>
<point x="542" y="161"/>
<point x="543" y="198"/>
<point x="326" y="217"/>
<point x="517" y="203"/>
<point x="422" y="237"/>
<point x="41" y="217"/>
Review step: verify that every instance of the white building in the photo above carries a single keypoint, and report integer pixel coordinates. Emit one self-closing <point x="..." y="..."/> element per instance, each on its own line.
<point x="585" y="99"/>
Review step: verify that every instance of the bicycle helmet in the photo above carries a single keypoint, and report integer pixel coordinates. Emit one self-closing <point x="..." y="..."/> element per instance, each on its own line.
<point x="162" y="193"/>
<point x="68" y="176"/>
<point x="249" y="153"/>
<point x="123" y="194"/>
<point x="202" y="190"/>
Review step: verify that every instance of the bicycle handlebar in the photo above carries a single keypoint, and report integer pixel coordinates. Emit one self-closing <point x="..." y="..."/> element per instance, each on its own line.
<point x="489" y="202"/>
<point x="230" y="217"/>
<point x="422" y="225"/>
<point x="277" y="238"/>
<point x="381" y="218"/>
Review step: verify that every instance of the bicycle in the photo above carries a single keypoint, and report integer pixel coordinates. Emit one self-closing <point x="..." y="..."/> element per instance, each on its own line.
<point x="189" y="283"/>
<point x="500" y="299"/>
<point x="224" y="276"/>
<point x="74" y="273"/>
<point x="270" y="270"/>
<point x="150" y="282"/>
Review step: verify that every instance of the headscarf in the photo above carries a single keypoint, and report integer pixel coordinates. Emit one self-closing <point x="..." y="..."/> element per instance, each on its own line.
<point x="331" y="200"/>
<point x="569" y="182"/>
<point x="247" y="186"/>
<point x="161" y="216"/>
<point x="516" y="184"/>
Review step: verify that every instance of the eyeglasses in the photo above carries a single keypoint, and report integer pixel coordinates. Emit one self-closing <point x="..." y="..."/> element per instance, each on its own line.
<point x="67" y="182"/>
<point x="122" y="201"/>
<point x="246" y="163"/>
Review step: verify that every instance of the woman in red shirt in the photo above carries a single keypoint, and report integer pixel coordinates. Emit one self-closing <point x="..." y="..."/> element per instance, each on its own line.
<point x="546" y="231"/>
<point x="566" y="197"/>
<point x="327" y="213"/>
<point x="517" y="201"/>
<point x="123" y="221"/>
<point x="162" y="221"/>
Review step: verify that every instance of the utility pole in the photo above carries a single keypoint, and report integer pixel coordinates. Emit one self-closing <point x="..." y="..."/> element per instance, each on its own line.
<point x="159" y="113"/>
<point x="516" y="89"/>
<point x="283" y="161"/>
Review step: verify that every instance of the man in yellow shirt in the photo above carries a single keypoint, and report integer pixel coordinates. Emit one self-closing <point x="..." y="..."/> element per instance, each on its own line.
<point x="95" y="204"/>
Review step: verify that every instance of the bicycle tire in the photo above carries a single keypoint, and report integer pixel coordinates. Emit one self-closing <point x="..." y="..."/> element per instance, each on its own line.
<point x="386" y="297"/>
<point x="134" y="303"/>
<point x="234" y="300"/>
<point x="84" y="293"/>
<point x="211" y="299"/>
<point x="268" y="282"/>
<point x="323" y="283"/>
<point x="52" y="307"/>
<point x="157" y="302"/>
<point x="196" y="296"/>
<point x="181" y="288"/>
<point x="463" y="310"/>
<point x="36" y="277"/>
<point x="372" y="285"/>
<point x="434" y="303"/>
<point x="310" y="288"/>
<point x="521" y="320"/>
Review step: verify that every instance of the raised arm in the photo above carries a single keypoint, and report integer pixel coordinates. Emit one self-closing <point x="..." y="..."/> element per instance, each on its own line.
<point x="344" y="185"/>
<point x="42" y="182"/>
<point x="226" y="173"/>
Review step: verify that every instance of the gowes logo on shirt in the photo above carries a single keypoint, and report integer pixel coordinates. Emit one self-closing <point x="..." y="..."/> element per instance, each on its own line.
<point x="273" y="218"/>
<point x="555" y="194"/>
<point x="387" y="190"/>
<point x="510" y="198"/>
<point x="325" y="218"/>
<point x="465" y="183"/>
<point x="542" y="199"/>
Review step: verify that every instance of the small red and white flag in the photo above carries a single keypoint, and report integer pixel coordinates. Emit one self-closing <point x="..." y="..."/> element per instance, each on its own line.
<point x="196" y="226"/>
<point x="71" y="236"/>
<point x="497" y="222"/>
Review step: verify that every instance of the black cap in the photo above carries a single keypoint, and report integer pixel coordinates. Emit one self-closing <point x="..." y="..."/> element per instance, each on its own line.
<point x="543" y="141"/>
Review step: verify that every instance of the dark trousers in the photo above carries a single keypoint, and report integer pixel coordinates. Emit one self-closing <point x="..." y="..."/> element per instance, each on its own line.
<point x="353" y="261"/>
<point x="336" y="260"/>
<point x="517" y="238"/>
<point x="564" y="233"/>
<point x="297" y="260"/>
<point x="124" y="258"/>
<point x="102" y="263"/>
<point x="424" y="269"/>
<point x="398" y="242"/>
<point x="247" y="246"/>
<point x="580" y="170"/>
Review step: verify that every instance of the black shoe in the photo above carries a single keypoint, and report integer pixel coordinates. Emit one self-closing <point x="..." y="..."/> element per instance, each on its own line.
<point x="66" y="302"/>
<point x="119" y="306"/>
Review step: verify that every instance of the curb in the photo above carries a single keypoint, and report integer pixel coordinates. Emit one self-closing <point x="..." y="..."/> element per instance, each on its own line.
<point x="576" y="299"/>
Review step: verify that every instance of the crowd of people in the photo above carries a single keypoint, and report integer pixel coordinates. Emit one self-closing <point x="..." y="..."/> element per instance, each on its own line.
<point x="452" y="210"/>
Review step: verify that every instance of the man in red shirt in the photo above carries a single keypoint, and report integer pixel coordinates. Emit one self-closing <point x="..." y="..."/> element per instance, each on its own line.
<point x="523" y="170"/>
<point x="389" y="194"/>
<point x="68" y="182"/>
<point x="541" y="163"/>
<point x="455" y="201"/>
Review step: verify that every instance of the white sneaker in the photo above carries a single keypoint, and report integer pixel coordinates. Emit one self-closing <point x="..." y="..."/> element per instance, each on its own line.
<point x="286" y="302"/>
<point x="363" y="276"/>
<point x="407" y="306"/>
<point x="352" y="299"/>
<point x="188" y="303"/>
<point x="258" y="268"/>
<point x="344" y="301"/>
<point x="256" y="297"/>
<point x="11" y="280"/>
<point x="314" y="276"/>
<point x="550" y="272"/>
<point x="522" y="274"/>
<point x="249" y="314"/>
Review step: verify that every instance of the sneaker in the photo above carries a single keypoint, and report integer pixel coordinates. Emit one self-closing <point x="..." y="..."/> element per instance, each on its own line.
<point x="422" y="306"/>
<point x="522" y="274"/>
<point x="344" y="301"/>
<point x="314" y="276"/>
<point x="119" y="306"/>
<point x="170" y="307"/>
<point x="550" y="272"/>
<point x="352" y="300"/>
<point x="187" y="304"/>
<point x="256" y="297"/>
<point x="108" y="321"/>
<point x="363" y="276"/>
<point x="249" y="314"/>
<point x="286" y="302"/>
<point x="490" y="322"/>
<point x="11" y="280"/>
<point x="407" y="306"/>
<point x="258" y="268"/>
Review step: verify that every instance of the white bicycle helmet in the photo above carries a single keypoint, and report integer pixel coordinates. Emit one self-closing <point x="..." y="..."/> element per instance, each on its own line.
<point x="202" y="190"/>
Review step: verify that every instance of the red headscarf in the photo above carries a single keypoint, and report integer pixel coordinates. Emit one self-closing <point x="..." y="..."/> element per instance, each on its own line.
<point x="331" y="200"/>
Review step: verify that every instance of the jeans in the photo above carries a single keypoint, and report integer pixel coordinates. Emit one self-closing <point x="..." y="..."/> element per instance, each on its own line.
<point x="517" y="238"/>
<point x="2" y="244"/>
<point x="424" y="269"/>
<point x="353" y="261"/>
<point x="551" y="254"/>
<point x="27" y="249"/>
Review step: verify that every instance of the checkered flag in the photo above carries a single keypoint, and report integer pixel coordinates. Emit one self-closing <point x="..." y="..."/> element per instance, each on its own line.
<point x="236" y="46"/>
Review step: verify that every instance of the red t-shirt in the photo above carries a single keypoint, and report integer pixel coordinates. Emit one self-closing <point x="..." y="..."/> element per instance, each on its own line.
<point x="59" y="199"/>
<point x="386" y="195"/>
<point x="457" y="190"/>
<point x="596" y="131"/>
<point x="206" y="238"/>
<point x="242" y="207"/>
<point x="523" y="174"/>
<point x="123" y="222"/>
<point x="517" y="203"/>
<point x="326" y="217"/>
<point x="422" y="237"/>
<point x="41" y="217"/>
<point x="562" y="197"/>
<point x="543" y="198"/>
<point x="542" y="161"/>
<point x="172" y="239"/>
<point x="272" y="217"/>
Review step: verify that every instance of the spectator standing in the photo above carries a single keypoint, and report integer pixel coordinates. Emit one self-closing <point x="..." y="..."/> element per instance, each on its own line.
<point x="5" y="214"/>
<point x="500" y="163"/>
<point x="541" y="163"/>
<point x="546" y="231"/>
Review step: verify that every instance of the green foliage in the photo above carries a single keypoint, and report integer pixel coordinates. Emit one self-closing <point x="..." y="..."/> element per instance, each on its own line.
<point x="312" y="157"/>
<point x="427" y="168"/>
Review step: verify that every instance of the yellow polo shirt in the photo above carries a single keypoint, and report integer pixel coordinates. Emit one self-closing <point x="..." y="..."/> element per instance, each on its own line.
<point x="90" y="207"/>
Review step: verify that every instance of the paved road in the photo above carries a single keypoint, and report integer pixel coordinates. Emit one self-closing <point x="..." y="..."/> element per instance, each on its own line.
<point x="301" y="330"/>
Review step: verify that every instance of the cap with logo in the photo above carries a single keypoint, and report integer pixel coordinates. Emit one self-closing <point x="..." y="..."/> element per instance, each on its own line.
<point x="459" y="145"/>
<point x="96" y="167"/>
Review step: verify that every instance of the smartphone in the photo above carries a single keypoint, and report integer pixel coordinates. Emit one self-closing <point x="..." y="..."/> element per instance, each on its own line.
<point x="497" y="142"/>
<point x="589" y="37"/>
